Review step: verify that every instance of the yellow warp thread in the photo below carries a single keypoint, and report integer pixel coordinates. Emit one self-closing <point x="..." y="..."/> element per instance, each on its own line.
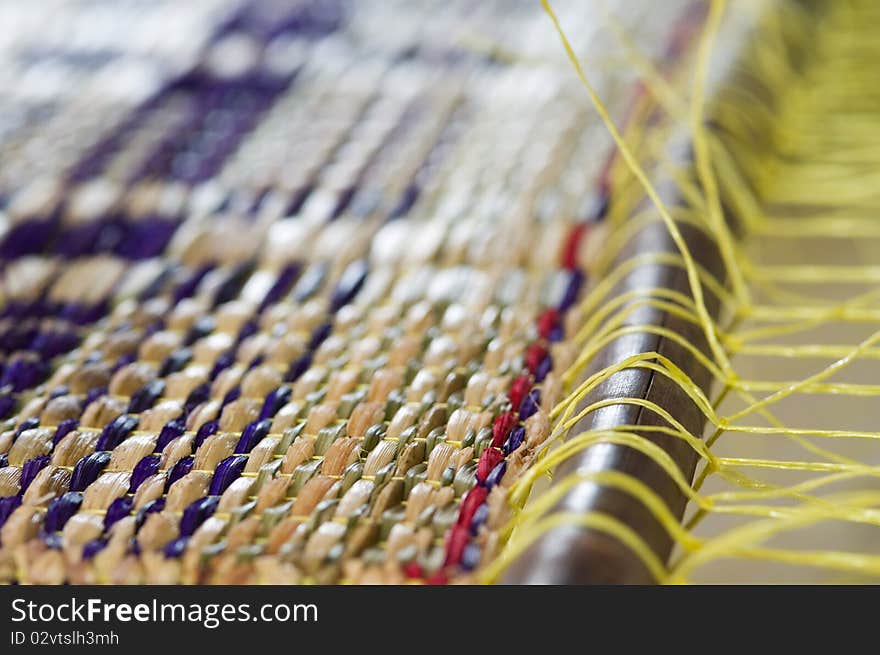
<point x="813" y="175"/>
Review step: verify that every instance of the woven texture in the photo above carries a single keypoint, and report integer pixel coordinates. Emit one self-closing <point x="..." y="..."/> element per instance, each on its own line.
<point x="288" y="299"/>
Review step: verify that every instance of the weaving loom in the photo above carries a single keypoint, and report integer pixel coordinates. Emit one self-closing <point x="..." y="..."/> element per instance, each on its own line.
<point x="443" y="292"/>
